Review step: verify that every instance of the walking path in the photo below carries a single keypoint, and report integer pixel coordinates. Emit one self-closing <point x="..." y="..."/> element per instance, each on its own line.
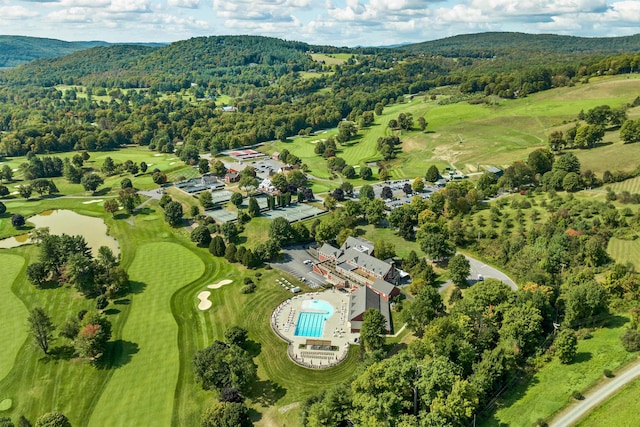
<point x="595" y="397"/>
<point x="478" y="268"/>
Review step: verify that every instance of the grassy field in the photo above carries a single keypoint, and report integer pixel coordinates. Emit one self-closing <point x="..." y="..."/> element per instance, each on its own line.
<point x="620" y="410"/>
<point x="150" y="355"/>
<point x="331" y="58"/>
<point x="624" y="251"/>
<point x="14" y="331"/>
<point x="549" y="390"/>
<point x="631" y="185"/>
<point x="474" y="137"/>
<point x="156" y="331"/>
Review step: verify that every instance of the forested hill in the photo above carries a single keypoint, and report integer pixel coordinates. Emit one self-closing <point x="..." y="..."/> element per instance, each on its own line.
<point x="174" y="65"/>
<point x="489" y="44"/>
<point x="16" y="50"/>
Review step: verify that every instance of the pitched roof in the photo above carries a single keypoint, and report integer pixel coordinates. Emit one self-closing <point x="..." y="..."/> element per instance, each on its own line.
<point x="329" y="250"/>
<point x="383" y="286"/>
<point x="359" y="244"/>
<point x="364" y="299"/>
<point x="365" y="261"/>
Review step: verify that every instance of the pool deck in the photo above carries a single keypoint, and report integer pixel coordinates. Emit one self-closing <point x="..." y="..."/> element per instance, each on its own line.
<point x="336" y="329"/>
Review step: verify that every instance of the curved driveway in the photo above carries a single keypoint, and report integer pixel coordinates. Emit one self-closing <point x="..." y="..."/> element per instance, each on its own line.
<point x="486" y="271"/>
<point x="595" y="397"/>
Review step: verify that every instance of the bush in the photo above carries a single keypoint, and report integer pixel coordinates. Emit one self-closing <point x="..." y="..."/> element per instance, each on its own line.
<point x="577" y="395"/>
<point x="541" y="423"/>
<point x="247" y="280"/>
<point x="248" y="289"/>
<point x="608" y="373"/>
<point x="631" y="340"/>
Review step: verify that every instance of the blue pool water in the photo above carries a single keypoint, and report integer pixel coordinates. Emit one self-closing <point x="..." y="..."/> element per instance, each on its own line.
<point x="318" y="305"/>
<point x="310" y="324"/>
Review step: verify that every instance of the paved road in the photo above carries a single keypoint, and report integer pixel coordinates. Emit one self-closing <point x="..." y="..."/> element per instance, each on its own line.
<point x="488" y="272"/>
<point x="574" y="413"/>
<point x="293" y="263"/>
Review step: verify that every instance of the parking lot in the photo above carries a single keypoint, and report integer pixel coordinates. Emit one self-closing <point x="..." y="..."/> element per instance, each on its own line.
<point x="294" y="264"/>
<point x="399" y="196"/>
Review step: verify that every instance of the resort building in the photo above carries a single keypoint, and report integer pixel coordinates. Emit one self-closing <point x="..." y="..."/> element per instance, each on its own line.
<point x="371" y="280"/>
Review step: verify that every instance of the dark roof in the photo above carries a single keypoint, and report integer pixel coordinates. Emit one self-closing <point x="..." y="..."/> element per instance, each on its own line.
<point x="364" y="299"/>
<point x="365" y="261"/>
<point x="383" y="286"/>
<point x="494" y="169"/>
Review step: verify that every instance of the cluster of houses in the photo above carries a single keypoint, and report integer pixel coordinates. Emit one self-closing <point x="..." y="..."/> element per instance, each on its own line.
<point x="371" y="280"/>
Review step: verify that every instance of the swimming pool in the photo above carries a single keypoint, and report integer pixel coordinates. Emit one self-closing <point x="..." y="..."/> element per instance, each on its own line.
<point x="310" y="324"/>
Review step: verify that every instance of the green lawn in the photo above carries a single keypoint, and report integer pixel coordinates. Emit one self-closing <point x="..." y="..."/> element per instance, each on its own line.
<point x="625" y="251"/>
<point x="14" y="331"/>
<point x="549" y="390"/>
<point x="156" y="331"/>
<point x="149" y="339"/>
<point x="620" y="410"/>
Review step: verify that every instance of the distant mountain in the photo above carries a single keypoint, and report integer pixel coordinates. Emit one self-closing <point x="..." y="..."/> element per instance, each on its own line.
<point x="16" y="50"/>
<point x="178" y="64"/>
<point x="490" y="44"/>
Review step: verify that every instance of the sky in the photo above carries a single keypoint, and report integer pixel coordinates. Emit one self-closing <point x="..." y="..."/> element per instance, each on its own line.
<point x="332" y="22"/>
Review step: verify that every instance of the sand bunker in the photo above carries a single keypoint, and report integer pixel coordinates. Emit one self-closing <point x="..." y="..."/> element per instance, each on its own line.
<point x="158" y="155"/>
<point x="205" y="304"/>
<point x="172" y="163"/>
<point x="220" y="284"/>
<point x="88" y="202"/>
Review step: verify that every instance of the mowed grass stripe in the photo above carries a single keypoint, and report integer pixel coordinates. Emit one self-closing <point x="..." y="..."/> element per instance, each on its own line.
<point x="151" y="375"/>
<point x="624" y="251"/>
<point x="14" y="314"/>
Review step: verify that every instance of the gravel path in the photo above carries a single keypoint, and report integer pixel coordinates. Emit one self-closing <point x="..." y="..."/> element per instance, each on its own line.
<point x="595" y="397"/>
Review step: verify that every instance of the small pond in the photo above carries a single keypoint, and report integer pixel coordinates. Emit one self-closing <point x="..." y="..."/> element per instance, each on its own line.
<point x="63" y="221"/>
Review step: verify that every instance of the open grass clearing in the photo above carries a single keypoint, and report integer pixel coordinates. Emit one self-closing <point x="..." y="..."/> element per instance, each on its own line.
<point x="14" y="330"/>
<point x="549" y="390"/>
<point x="620" y="410"/>
<point x="625" y="251"/>
<point x="331" y="58"/>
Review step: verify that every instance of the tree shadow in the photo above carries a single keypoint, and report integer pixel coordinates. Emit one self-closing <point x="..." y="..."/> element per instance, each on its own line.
<point x="267" y="393"/>
<point x="145" y="211"/>
<point x="102" y="191"/>
<point x="252" y="347"/>
<point x="111" y="311"/>
<point x="254" y="415"/>
<point x="583" y="356"/>
<point x="136" y="287"/>
<point x="124" y="301"/>
<point x="120" y="353"/>
<point x="614" y="322"/>
<point x="121" y="215"/>
<point x="62" y="352"/>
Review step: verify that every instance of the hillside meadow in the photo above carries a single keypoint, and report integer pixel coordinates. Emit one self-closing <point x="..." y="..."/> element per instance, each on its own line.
<point x="472" y="137"/>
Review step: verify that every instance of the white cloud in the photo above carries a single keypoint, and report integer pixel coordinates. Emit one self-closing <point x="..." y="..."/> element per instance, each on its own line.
<point x="85" y="3"/>
<point x="16" y="13"/>
<point x="188" y="4"/>
<point x="129" y="6"/>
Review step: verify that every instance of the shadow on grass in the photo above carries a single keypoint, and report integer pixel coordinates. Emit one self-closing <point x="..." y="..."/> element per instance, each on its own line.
<point x="614" y="322"/>
<point x="267" y="393"/>
<point x="102" y="191"/>
<point x="254" y="415"/>
<point x="124" y="301"/>
<point x="121" y="215"/>
<point x="120" y="353"/>
<point x="514" y="390"/>
<point x="111" y="311"/>
<point x="145" y="211"/>
<point x="137" y="287"/>
<point x="63" y="352"/>
<point x="581" y="357"/>
<point x="252" y="347"/>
